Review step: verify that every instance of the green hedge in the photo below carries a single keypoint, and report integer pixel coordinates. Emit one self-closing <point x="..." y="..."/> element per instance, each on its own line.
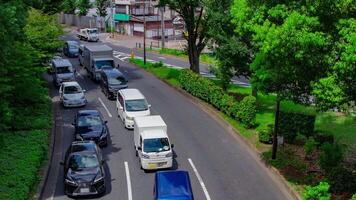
<point x="292" y="123"/>
<point x="205" y="89"/>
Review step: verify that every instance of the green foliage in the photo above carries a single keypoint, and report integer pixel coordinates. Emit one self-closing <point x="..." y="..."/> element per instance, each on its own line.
<point x="246" y="112"/>
<point x="332" y="155"/>
<point x="101" y="6"/>
<point x="341" y="180"/>
<point x="174" y="52"/>
<point x="309" y="146"/>
<point x="318" y="192"/>
<point x="265" y="134"/>
<point x="291" y="123"/>
<point x="353" y="197"/>
<point x="83" y="6"/>
<point x="69" y="6"/>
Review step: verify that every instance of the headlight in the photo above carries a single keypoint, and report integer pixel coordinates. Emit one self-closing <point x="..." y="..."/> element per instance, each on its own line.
<point x="129" y="118"/>
<point x="65" y="98"/>
<point x="169" y="155"/>
<point x="98" y="178"/>
<point x="145" y="156"/>
<point x="69" y="181"/>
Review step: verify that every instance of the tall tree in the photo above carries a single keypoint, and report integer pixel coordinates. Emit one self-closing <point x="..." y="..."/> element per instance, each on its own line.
<point x="194" y="15"/>
<point x="83" y="6"/>
<point x="69" y="6"/>
<point x="101" y="6"/>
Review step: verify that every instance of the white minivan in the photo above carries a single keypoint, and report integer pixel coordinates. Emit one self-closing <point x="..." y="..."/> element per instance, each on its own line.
<point x="131" y="103"/>
<point x="152" y="143"/>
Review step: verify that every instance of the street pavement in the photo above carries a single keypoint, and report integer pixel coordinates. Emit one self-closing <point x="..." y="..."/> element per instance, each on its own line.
<point x="220" y="166"/>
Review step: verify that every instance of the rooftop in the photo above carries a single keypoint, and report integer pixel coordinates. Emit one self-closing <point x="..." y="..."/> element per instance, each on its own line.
<point x="131" y="94"/>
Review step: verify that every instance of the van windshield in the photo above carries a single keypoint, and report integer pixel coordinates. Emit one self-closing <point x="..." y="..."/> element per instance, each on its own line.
<point x="156" y="145"/>
<point x="136" y="105"/>
<point x="101" y="63"/>
<point x="64" y="70"/>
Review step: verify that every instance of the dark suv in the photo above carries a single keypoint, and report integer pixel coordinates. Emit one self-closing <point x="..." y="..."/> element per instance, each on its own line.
<point x="83" y="169"/>
<point x="89" y="125"/>
<point x="112" y="80"/>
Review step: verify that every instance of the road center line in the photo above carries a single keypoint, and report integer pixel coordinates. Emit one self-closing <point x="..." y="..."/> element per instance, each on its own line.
<point x="199" y="179"/>
<point x="128" y="180"/>
<point x="107" y="110"/>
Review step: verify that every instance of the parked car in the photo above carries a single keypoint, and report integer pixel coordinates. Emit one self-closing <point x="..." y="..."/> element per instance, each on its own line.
<point x="152" y="143"/>
<point x="89" y="125"/>
<point x="172" y="185"/>
<point x="72" y="95"/>
<point x="131" y="103"/>
<point x="112" y="80"/>
<point x="71" y="49"/>
<point x="62" y="70"/>
<point x="83" y="169"/>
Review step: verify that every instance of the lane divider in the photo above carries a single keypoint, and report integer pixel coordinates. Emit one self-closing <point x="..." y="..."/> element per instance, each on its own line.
<point x="207" y="196"/>
<point x="102" y="103"/>
<point x="128" y="180"/>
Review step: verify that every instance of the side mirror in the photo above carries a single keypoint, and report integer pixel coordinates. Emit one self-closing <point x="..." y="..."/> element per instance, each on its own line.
<point x="84" y="90"/>
<point x="149" y="105"/>
<point x="139" y="148"/>
<point x="73" y="123"/>
<point x="172" y="146"/>
<point x="103" y="161"/>
<point x="118" y="65"/>
<point x="121" y="108"/>
<point x="61" y="163"/>
<point x="105" y="122"/>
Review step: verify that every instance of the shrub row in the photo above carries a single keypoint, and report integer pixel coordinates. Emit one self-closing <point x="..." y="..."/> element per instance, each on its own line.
<point x="203" y="88"/>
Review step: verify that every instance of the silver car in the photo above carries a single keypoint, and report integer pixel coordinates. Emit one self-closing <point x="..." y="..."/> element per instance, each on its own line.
<point x="72" y="95"/>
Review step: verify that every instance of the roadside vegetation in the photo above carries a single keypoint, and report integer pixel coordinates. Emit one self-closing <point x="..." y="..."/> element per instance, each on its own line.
<point x="29" y="38"/>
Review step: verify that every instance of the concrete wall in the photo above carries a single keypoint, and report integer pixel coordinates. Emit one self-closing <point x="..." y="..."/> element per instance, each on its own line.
<point x="81" y="21"/>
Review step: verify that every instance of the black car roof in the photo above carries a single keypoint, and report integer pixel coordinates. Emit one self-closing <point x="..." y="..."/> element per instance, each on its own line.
<point x="72" y="42"/>
<point x="83" y="146"/>
<point x="113" y="72"/>
<point x="88" y="112"/>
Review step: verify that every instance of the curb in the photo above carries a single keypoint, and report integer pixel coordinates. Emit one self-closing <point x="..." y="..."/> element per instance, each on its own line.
<point x="214" y="113"/>
<point x="47" y="168"/>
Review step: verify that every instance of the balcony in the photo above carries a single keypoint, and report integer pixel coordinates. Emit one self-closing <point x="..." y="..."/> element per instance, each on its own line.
<point x="123" y="2"/>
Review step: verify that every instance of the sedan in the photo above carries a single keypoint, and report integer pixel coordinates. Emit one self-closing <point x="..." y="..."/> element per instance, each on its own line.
<point x="83" y="170"/>
<point x="72" y="95"/>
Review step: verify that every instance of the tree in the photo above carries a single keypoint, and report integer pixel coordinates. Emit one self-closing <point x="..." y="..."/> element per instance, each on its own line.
<point x="83" y="6"/>
<point x="69" y="6"/>
<point x="194" y="15"/>
<point x="101" y="6"/>
<point x="290" y="51"/>
<point x="318" y="192"/>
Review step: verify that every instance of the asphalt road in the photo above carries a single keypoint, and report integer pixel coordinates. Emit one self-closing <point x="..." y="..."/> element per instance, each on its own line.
<point x="220" y="166"/>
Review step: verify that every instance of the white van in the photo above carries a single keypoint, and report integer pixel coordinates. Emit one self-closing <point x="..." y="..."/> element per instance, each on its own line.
<point x="152" y="143"/>
<point x="131" y="103"/>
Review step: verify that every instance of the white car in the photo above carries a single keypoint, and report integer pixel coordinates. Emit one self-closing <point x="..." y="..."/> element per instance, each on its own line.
<point x="72" y="95"/>
<point x="131" y="103"/>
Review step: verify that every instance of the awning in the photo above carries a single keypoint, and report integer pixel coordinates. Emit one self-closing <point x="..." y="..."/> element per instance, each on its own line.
<point x="122" y="17"/>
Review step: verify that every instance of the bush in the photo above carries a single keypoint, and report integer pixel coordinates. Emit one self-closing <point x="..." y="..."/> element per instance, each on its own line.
<point x="319" y="192"/>
<point x="309" y="146"/>
<point x="265" y="134"/>
<point x="205" y="89"/>
<point x="322" y="138"/>
<point x="292" y="123"/>
<point x="341" y="180"/>
<point x="353" y="197"/>
<point x="331" y="156"/>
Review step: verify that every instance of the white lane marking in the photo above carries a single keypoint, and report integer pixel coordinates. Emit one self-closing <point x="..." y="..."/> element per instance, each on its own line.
<point x="128" y="180"/>
<point x="163" y="58"/>
<point x="107" y="110"/>
<point x="199" y="179"/>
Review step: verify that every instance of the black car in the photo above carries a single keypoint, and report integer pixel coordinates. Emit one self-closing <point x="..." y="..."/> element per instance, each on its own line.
<point x="112" y="80"/>
<point x="71" y="49"/>
<point x="89" y="125"/>
<point x="83" y="169"/>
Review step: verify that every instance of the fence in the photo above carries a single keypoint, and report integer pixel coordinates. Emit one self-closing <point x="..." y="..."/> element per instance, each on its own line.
<point x="81" y="21"/>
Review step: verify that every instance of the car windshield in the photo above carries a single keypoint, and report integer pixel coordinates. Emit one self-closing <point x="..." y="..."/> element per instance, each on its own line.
<point x="89" y="120"/>
<point x="72" y="89"/>
<point x="156" y="145"/>
<point x="136" y="105"/>
<point x="101" y="63"/>
<point x="64" y="70"/>
<point x="92" y="31"/>
<point x="80" y="162"/>
<point x="116" y="80"/>
<point x="74" y="47"/>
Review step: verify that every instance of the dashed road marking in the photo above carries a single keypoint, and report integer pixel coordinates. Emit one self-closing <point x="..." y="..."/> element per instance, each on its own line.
<point x="199" y="179"/>
<point x="128" y="180"/>
<point x="107" y="110"/>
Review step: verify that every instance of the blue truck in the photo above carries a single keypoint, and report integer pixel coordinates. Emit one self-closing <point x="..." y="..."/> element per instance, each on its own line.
<point x="172" y="185"/>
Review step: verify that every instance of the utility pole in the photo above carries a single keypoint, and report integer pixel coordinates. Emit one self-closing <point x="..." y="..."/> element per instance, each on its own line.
<point x="112" y="18"/>
<point x="162" y="25"/>
<point x="144" y="32"/>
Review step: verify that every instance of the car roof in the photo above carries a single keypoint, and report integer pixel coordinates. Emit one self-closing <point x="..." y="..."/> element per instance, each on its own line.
<point x="83" y="146"/>
<point x="113" y="72"/>
<point x="88" y="112"/>
<point x="173" y="185"/>
<point x="96" y="47"/>
<point x="130" y="94"/>
<point x="72" y="42"/>
<point x="60" y="62"/>
<point x="70" y="83"/>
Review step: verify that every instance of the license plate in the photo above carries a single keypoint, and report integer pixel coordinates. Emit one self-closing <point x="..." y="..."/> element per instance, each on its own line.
<point x="161" y="164"/>
<point x="84" y="190"/>
<point x="152" y="166"/>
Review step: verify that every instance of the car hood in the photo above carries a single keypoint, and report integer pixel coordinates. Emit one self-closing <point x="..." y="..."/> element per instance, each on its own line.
<point x="138" y="113"/>
<point x="90" y="131"/>
<point x="84" y="176"/>
<point x="66" y="75"/>
<point x="74" y="96"/>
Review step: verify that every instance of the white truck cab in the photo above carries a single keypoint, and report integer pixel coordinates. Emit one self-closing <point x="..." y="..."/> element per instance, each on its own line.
<point x="88" y="34"/>
<point x="152" y="143"/>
